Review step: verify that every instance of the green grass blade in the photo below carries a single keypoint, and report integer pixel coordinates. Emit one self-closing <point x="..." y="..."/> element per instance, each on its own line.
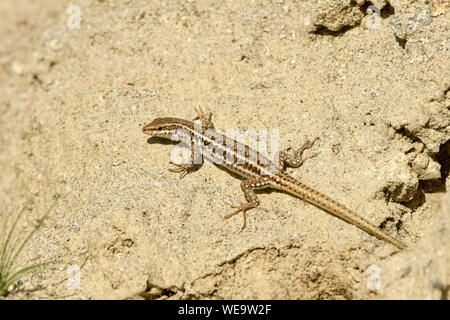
<point x="5" y="253"/>
<point x="18" y="274"/>
<point x="10" y="262"/>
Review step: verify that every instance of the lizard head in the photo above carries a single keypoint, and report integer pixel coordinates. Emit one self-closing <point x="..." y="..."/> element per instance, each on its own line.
<point x="165" y="127"/>
<point x="160" y="127"/>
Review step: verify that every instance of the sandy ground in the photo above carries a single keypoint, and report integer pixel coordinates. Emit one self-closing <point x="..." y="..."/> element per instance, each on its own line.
<point x="373" y="87"/>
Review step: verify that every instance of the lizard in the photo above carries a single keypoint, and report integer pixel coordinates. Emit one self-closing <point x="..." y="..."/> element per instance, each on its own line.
<point x="257" y="171"/>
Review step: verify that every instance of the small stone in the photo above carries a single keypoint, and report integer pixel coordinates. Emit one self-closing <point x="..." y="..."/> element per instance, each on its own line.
<point x="17" y="67"/>
<point x="55" y="44"/>
<point x="426" y="168"/>
<point x="400" y="182"/>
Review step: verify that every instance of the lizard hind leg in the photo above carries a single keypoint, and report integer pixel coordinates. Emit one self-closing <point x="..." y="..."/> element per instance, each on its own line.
<point x="247" y="187"/>
<point x="296" y="159"/>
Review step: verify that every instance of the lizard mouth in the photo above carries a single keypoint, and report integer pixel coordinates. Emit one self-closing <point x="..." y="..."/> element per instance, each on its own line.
<point x="148" y="130"/>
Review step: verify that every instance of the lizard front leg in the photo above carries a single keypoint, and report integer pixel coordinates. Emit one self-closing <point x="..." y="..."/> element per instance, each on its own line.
<point x="193" y="165"/>
<point x="184" y="168"/>
<point x="196" y="161"/>
<point x="205" y="118"/>
<point x="247" y="187"/>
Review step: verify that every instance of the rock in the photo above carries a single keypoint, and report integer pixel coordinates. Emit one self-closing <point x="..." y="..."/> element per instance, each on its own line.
<point x="334" y="14"/>
<point x="426" y="168"/>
